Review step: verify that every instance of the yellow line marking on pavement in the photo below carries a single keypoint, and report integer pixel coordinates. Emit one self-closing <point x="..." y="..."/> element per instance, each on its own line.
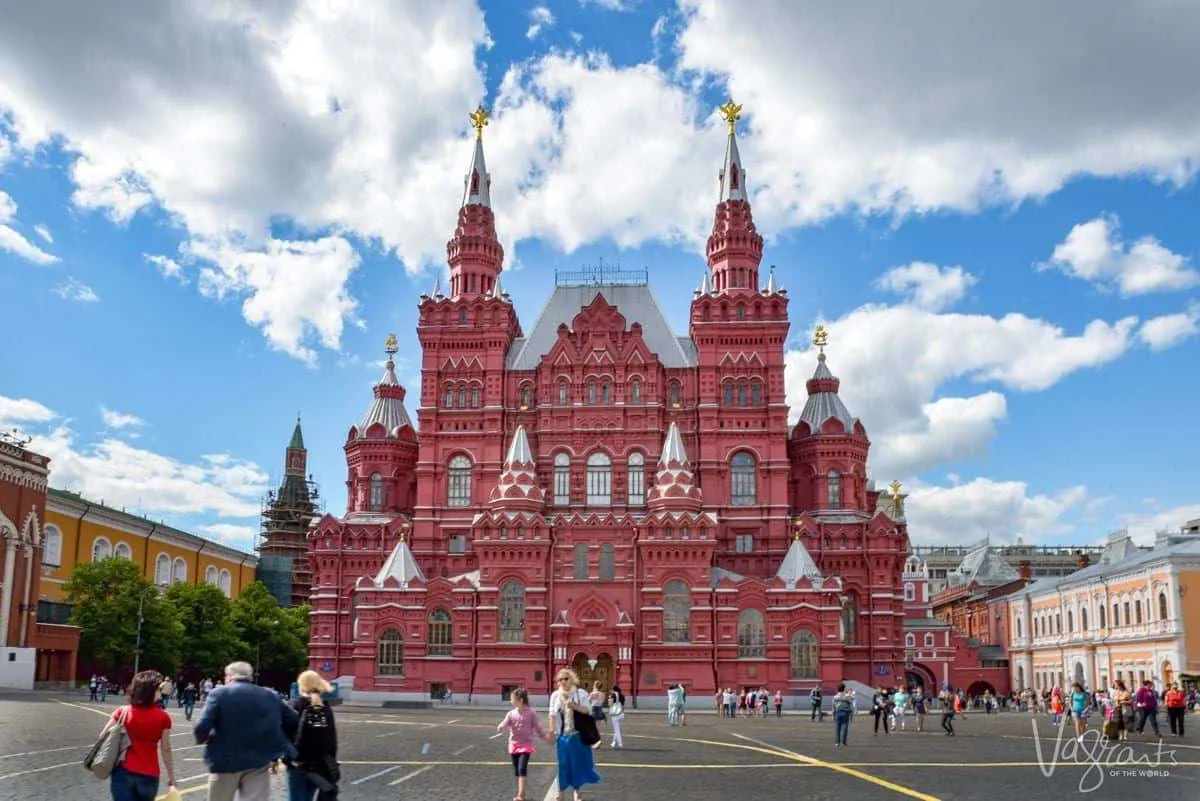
<point x="899" y="788"/>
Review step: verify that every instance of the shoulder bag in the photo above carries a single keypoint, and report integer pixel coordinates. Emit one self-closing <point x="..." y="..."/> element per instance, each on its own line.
<point x="110" y="748"/>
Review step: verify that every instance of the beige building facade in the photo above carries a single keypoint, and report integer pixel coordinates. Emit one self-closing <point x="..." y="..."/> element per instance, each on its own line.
<point x="1126" y="617"/>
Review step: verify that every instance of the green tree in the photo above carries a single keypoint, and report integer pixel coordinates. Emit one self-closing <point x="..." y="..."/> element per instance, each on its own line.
<point x="210" y="639"/>
<point x="274" y="639"/>
<point x="106" y="597"/>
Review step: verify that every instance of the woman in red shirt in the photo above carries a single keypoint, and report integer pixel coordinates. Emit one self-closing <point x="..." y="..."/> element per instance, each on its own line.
<point x="146" y="723"/>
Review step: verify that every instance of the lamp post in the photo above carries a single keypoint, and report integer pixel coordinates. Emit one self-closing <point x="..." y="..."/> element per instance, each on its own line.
<point x="137" y="648"/>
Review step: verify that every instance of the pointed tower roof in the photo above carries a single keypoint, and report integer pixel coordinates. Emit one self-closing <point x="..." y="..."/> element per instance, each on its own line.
<point x="984" y="566"/>
<point x="797" y="564"/>
<point x="771" y="288"/>
<point x="437" y="288"/>
<point x="824" y="403"/>
<point x="477" y="185"/>
<point x="401" y="566"/>
<point x="518" y="487"/>
<point x="675" y="483"/>
<point x="297" y="436"/>
<point x="734" y="248"/>
<point x="387" y="409"/>
<point x="733" y="177"/>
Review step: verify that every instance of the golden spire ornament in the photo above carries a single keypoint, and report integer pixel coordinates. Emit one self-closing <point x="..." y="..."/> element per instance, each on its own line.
<point x="731" y="112"/>
<point x="391" y="345"/>
<point x="895" y="487"/>
<point x="799" y="528"/>
<point x="821" y="338"/>
<point x="479" y="118"/>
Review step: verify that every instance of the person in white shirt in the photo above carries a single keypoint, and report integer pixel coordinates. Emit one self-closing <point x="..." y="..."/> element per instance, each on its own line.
<point x="576" y="765"/>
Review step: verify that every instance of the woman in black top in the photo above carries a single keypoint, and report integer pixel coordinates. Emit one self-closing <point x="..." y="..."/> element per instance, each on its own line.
<point x="314" y="771"/>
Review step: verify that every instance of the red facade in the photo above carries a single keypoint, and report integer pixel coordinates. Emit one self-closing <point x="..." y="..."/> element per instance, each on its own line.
<point x="606" y="493"/>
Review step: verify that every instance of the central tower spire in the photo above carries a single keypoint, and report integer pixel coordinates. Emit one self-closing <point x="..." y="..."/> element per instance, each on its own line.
<point x="735" y="246"/>
<point x="474" y="253"/>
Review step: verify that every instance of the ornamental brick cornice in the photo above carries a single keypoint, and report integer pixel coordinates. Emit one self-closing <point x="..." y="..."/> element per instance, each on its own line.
<point x="23" y="477"/>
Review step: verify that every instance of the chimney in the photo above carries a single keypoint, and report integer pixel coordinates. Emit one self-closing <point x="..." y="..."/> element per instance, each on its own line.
<point x="1025" y="570"/>
<point x="1082" y="560"/>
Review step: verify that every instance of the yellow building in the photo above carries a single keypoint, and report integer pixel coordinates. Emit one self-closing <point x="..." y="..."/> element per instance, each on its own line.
<point x="80" y="530"/>
<point x="1127" y="617"/>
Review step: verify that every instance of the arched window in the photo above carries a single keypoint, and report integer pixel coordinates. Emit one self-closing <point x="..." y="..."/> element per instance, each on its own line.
<point x="564" y="394"/>
<point x="635" y="391"/>
<point x="834" y="488"/>
<point x="210" y="575"/>
<point x="804" y="655"/>
<point x="474" y="397"/>
<point x="677" y="612"/>
<point x="728" y="393"/>
<point x="744" y="480"/>
<point x="1070" y="622"/>
<point x="377" y="492"/>
<point x="1117" y="615"/>
<point x="512" y="612"/>
<point x="910" y="640"/>
<point x="673" y="396"/>
<point x="448" y="400"/>
<point x="637" y="479"/>
<point x="606" y="392"/>
<point x="752" y="640"/>
<point x="1102" y="609"/>
<point x="1162" y="606"/>
<point x="562" y="479"/>
<point x="850" y="620"/>
<point x="52" y="546"/>
<point x="581" y="562"/>
<point x="458" y="488"/>
<point x="162" y="570"/>
<point x="1137" y="612"/>
<point x="591" y="392"/>
<point x="599" y="480"/>
<point x="462" y="313"/>
<point x="1017" y="624"/>
<point x="439" y="639"/>
<point x="462" y="397"/>
<point x="608" y="563"/>
<point x="123" y="551"/>
<point x="756" y="394"/>
<point x="391" y="653"/>
<point x="226" y="583"/>
<point x="928" y="640"/>
<point x="1083" y="619"/>
<point x="527" y="397"/>
<point x="741" y="394"/>
<point x="910" y="591"/>
<point x="178" y="571"/>
<point x="101" y="549"/>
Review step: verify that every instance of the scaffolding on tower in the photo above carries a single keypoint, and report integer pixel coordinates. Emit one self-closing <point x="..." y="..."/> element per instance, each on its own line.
<point x="282" y="539"/>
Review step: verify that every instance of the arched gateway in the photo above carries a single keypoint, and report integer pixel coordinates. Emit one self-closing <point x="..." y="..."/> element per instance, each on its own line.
<point x="591" y="669"/>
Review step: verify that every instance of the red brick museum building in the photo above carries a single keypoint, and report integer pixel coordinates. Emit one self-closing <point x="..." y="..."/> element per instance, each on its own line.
<point x="604" y="492"/>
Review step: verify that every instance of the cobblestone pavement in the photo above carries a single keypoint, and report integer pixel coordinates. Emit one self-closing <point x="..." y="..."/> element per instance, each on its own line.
<point x="454" y="753"/>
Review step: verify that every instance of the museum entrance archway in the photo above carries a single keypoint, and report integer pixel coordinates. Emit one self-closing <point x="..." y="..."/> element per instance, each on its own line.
<point x="591" y="669"/>
<point x="978" y="688"/>
<point x="917" y="675"/>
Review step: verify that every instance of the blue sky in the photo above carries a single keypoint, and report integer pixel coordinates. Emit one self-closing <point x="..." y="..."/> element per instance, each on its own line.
<point x="210" y="221"/>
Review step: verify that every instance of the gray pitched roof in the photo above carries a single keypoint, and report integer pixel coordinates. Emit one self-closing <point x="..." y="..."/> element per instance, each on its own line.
<point x="797" y="564"/>
<point x="636" y="302"/>
<point x="1120" y="555"/>
<point x="387" y="408"/>
<point x="821" y="406"/>
<point x="401" y="566"/>
<point x="984" y="566"/>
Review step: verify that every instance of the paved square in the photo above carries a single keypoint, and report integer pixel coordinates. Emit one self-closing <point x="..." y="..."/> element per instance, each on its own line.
<point x="454" y="753"/>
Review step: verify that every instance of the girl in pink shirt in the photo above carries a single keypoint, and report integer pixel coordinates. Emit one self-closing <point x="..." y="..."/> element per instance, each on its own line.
<point x="522" y="724"/>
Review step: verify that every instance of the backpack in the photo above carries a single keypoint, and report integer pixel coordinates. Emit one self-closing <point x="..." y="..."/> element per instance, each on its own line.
<point x="312" y="720"/>
<point x="842" y="704"/>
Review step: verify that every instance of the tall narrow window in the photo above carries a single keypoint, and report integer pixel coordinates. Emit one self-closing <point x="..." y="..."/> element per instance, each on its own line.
<point x="512" y="612"/>
<point x="439" y="639"/>
<point x="462" y="316"/>
<point x="756" y="394"/>
<point x="599" y="480"/>
<point x="910" y="592"/>
<point x="562" y="479"/>
<point x="225" y="582"/>
<point x="1070" y="622"/>
<point x="526" y="397"/>
<point x="744" y="480"/>
<point x="752" y="641"/>
<point x="591" y="392"/>
<point x="673" y="393"/>
<point x="804" y="655"/>
<point x="834" y="487"/>
<point x="928" y="640"/>
<point x="458" y="488"/>
<point x="101" y="549"/>
<point x="728" y="393"/>
<point x="635" y="391"/>
<point x="448" y="400"/>
<point x="377" y="492"/>
<point x="850" y="620"/>
<point x="52" y="547"/>
<point x="677" y="612"/>
<point x="606" y="393"/>
<point x="162" y="570"/>
<point x="741" y="394"/>
<point x="1137" y="612"/>
<point x="210" y="575"/>
<point x="1083" y="620"/>
<point x="178" y="571"/>
<point x="581" y="562"/>
<point x="1162" y="606"/>
<point x="637" y="479"/>
<point x="1102" y="609"/>
<point x="390" y="661"/>
<point x="462" y="397"/>
<point x="474" y="397"/>
<point x="608" y="567"/>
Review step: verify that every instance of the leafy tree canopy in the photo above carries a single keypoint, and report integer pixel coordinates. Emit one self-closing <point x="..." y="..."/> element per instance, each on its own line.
<point x="210" y="638"/>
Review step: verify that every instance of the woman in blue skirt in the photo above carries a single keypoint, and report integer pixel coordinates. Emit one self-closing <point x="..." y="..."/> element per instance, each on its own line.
<point x="575" y="765"/>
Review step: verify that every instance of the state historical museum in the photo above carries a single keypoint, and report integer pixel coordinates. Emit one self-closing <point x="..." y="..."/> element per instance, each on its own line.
<point x="604" y="492"/>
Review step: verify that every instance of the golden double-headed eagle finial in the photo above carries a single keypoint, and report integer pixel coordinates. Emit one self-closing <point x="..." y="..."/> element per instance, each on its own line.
<point x="731" y="112"/>
<point x="798" y="528"/>
<point x="895" y="487"/>
<point x="391" y="345"/>
<point x="821" y="338"/>
<point x="479" y="118"/>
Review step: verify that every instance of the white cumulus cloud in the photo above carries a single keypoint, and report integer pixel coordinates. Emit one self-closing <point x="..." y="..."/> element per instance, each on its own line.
<point x="75" y="290"/>
<point x="1168" y="330"/>
<point x="1094" y="251"/>
<point x="12" y="240"/>
<point x="982" y="507"/>
<point x="119" y="420"/>
<point x="540" y="18"/>
<point x="928" y="286"/>
<point x="167" y="267"/>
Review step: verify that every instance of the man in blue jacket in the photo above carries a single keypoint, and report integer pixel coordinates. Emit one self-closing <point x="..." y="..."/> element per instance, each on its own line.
<point x="242" y="731"/>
